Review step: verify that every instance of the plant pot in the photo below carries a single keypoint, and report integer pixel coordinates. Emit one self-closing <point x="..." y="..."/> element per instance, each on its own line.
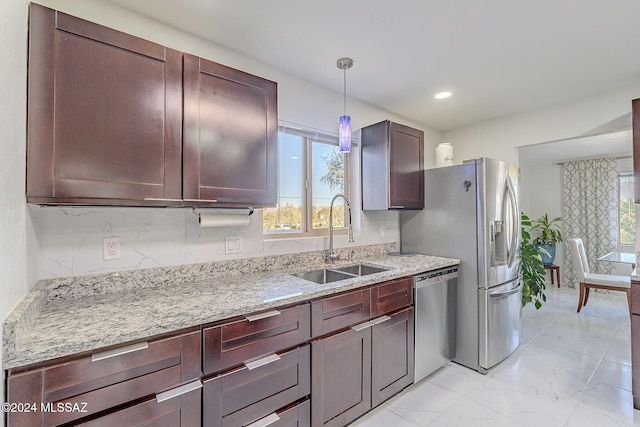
<point x="547" y="258"/>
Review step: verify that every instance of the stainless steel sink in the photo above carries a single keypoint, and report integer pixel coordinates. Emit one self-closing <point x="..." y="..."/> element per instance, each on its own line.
<point x="360" y="269"/>
<point x="323" y="275"/>
<point x="328" y="275"/>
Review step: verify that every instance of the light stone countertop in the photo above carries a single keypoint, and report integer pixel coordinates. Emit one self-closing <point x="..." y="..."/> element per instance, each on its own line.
<point x="66" y="326"/>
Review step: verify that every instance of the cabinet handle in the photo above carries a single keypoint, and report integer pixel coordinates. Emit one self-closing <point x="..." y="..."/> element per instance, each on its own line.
<point x="178" y="391"/>
<point x="362" y="326"/>
<point x="261" y="362"/>
<point x="263" y="422"/>
<point x="263" y="315"/>
<point x="202" y="200"/>
<point x="381" y="319"/>
<point x="119" y="351"/>
<point x="396" y="207"/>
<point x="161" y="199"/>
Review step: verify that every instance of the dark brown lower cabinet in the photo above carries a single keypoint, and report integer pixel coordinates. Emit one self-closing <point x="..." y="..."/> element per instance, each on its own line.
<point x="392" y="364"/>
<point x="183" y="410"/>
<point x="359" y="368"/>
<point x="635" y="342"/>
<point x="133" y="381"/>
<point x="256" y="391"/>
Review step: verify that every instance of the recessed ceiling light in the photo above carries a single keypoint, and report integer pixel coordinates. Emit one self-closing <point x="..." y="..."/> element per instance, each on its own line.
<point x="443" y="95"/>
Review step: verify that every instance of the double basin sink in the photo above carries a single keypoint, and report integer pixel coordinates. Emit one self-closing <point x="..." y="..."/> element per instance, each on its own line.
<point x="328" y="275"/>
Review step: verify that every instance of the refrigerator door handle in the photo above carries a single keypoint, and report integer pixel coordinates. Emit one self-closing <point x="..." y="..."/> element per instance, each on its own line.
<point x="513" y="250"/>
<point x="506" y="293"/>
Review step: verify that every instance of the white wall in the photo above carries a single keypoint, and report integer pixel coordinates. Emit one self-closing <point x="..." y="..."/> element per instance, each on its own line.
<point x="69" y="239"/>
<point x="500" y="138"/>
<point x="16" y="276"/>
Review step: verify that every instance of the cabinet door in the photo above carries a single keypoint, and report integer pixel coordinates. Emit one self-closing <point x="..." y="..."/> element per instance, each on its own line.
<point x="392" y="355"/>
<point x="340" y="378"/>
<point x="235" y="342"/>
<point x="105" y="380"/>
<point x="635" y="359"/>
<point x="406" y="175"/>
<point x="230" y="135"/>
<point x="179" y="411"/>
<point x="104" y="114"/>
<point x="254" y="392"/>
<point x="392" y="167"/>
<point x="635" y="108"/>
<point x="339" y="311"/>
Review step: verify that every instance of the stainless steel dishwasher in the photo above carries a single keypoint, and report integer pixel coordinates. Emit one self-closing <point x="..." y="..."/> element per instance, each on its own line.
<point x="435" y="319"/>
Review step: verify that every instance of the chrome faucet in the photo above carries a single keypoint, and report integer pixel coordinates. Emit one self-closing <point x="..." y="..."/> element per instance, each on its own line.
<point x="332" y="256"/>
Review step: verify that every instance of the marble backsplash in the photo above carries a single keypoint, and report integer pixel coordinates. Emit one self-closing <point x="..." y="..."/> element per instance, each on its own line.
<point x="67" y="241"/>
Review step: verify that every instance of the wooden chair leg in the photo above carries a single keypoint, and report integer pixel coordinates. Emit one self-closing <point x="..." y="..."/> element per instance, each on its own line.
<point x="586" y="294"/>
<point x="580" y="302"/>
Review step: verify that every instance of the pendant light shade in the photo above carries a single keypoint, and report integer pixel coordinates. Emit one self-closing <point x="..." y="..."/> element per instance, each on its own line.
<point x="344" y="135"/>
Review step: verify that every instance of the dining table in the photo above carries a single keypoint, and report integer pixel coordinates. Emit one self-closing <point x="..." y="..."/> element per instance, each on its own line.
<point x="619" y="257"/>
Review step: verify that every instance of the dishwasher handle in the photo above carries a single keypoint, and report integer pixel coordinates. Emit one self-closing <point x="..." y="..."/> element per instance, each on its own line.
<point x="426" y="280"/>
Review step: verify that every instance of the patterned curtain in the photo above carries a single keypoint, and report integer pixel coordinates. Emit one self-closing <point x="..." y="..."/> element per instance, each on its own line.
<point x="590" y="211"/>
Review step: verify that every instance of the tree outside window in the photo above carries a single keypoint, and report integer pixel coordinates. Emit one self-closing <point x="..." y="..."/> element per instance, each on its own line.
<point x="311" y="170"/>
<point x="626" y="211"/>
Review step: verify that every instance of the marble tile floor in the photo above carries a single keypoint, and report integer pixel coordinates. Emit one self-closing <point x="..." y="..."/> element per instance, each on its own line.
<point x="571" y="369"/>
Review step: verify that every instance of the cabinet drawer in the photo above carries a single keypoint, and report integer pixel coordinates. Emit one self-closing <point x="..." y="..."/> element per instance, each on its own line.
<point x="233" y="343"/>
<point x="106" y="379"/>
<point x="296" y="415"/>
<point x="243" y="395"/>
<point x="635" y="297"/>
<point x="179" y="411"/>
<point x="340" y="311"/>
<point x="391" y="296"/>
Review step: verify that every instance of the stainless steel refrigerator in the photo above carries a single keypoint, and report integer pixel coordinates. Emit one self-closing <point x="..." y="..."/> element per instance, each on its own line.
<point x="471" y="213"/>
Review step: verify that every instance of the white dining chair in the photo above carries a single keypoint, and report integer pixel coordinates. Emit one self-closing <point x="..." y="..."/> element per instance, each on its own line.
<point x="590" y="280"/>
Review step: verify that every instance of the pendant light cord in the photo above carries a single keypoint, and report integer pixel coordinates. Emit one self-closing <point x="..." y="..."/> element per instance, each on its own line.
<point x="345" y="91"/>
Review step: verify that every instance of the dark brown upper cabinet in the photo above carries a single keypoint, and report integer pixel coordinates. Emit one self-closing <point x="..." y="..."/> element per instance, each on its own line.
<point x="230" y="135"/>
<point x="635" y="107"/>
<point x="104" y="114"/>
<point x="106" y="117"/>
<point x="392" y="167"/>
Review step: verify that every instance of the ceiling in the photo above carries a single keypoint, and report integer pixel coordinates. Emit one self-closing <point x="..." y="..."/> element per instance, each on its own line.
<point x="614" y="144"/>
<point x="498" y="57"/>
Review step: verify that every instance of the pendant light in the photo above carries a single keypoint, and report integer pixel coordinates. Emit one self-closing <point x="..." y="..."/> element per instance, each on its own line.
<point x="344" y="135"/>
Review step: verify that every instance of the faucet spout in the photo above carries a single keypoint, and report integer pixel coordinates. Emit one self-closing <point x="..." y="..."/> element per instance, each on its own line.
<point x="333" y="256"/>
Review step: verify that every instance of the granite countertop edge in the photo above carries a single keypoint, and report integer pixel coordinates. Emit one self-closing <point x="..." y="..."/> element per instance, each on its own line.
<point x="65" y="327"/>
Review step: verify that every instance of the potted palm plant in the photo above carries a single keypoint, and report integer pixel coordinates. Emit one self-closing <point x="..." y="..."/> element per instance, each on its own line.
<point x="533" y="273"/>
<point x="549" y="236"/>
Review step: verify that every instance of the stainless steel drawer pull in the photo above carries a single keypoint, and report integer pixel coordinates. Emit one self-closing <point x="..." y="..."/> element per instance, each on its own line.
<point x="262" y="361"/>
<point x="160" y="199"/>
<point x="119" y="351"/>
<point x="202" y="200"/>
<point x="362" y="326"/>
<point x="396" y="207"/>
<point x="263" y="422"/>
<point x="178" y="391"/>
<point x="381" y="319"/>
<point x="263" y="315"/>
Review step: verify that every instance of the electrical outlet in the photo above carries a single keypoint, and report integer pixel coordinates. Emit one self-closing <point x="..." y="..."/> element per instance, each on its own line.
<point x="110" y="248"/>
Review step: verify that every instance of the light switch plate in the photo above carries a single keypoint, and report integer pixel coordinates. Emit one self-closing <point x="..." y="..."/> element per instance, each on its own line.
<point x="233" y="245"/>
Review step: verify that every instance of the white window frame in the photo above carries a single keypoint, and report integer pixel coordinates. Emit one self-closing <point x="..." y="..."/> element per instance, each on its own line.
<point x="313" y="135"/>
